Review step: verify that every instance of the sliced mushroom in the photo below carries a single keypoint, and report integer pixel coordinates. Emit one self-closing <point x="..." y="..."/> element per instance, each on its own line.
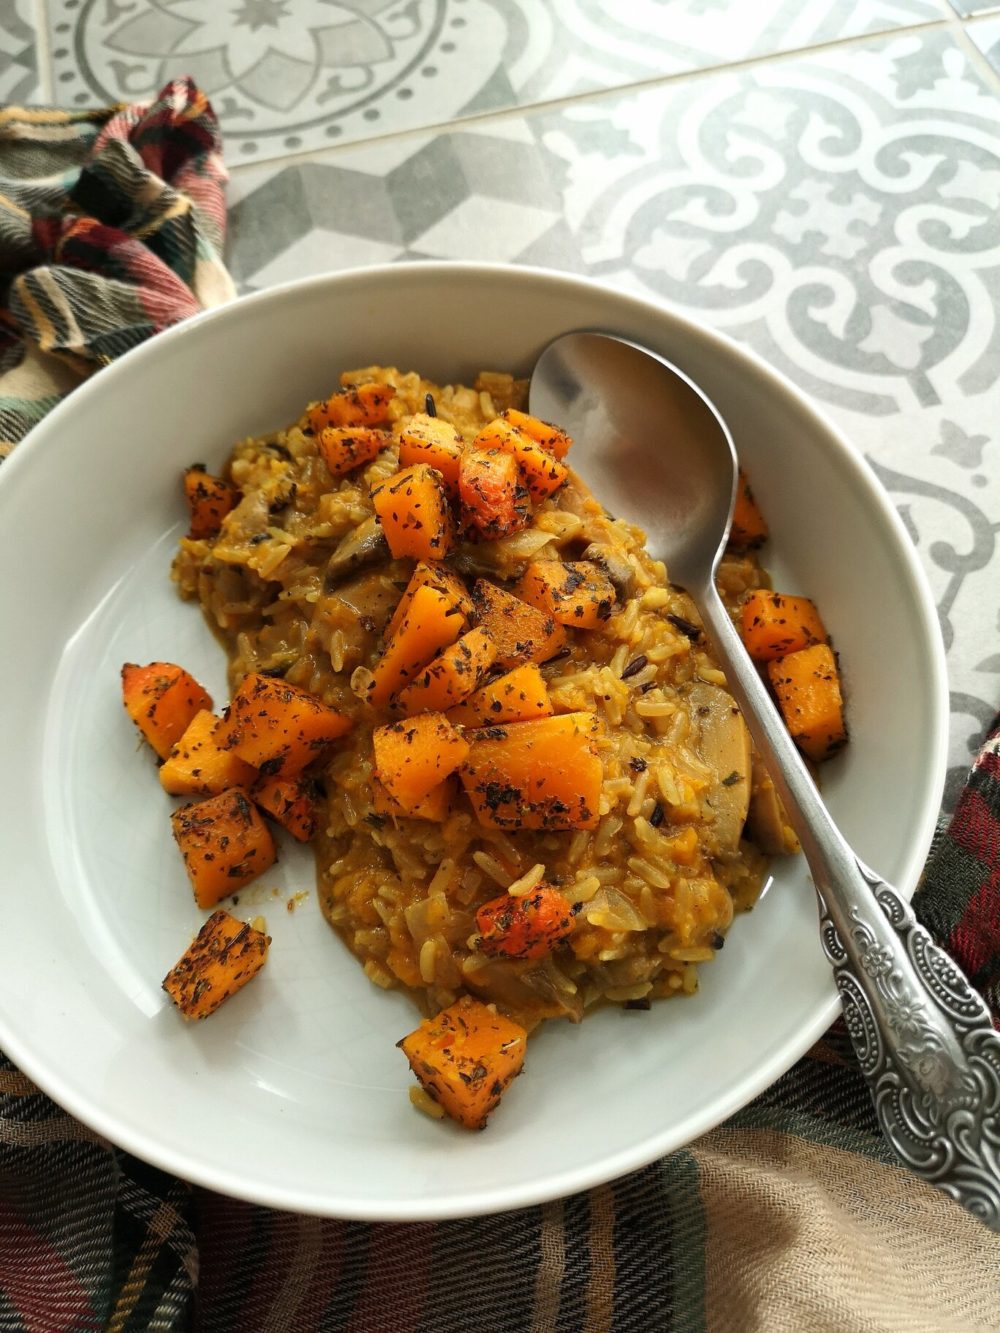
<point x="767" y="822"/>
<point x="723" y="743"/>
<point x="614" y="564"/>
<point x="364" y="546"/>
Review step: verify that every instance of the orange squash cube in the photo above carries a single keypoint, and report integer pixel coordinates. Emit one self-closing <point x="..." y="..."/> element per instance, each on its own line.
<point x="451" y="676"/>
<point x="516" y="697"/>
<point x="412" y="507"/>
<point x="807" y="687"/>
<point x="494" y="504"/>
<point x="364" y="405"/>
<point x="224" y="956"/>
<point x="209" y="500"/>
<point x="749" y="527"/>
<point x="198" y="766"/>
<point x="412" y="757"/>
<point x="436" y="806"/>
<point x="432" y="621"/>
<point x="432" y="441"/>
<point x="225" y="844"/>
<point x="552" y="438"/>
<point x="539" y="469"/>
<point x="544" y="774"/>
<point x="277" y="727"/>
<point x="434" y="576"/>
<point x="344" y="448"/>
<point x="465" y="1058"/>
<point x="292" y="803"/>
<point x="521" y="632"/>
<point x="162" y="700"/>
<point x="575" y="593"/>
<point x="773" y="624"/>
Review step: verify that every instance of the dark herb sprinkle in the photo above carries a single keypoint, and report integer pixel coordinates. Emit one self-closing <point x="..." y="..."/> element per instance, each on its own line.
<point x="685" y="626"/>
<point x="731" y="779"/>
<point x="717" y="940"/>
<point x="258" y="537"/>
<point x="634" y="667"/>
<point x="376" y="821"/>
<point x="656" y="818"/>
<point x="640" y="1005"/>
<point x="430" y="407"/>
<point x="637" y="765"/>
<point x="275" y="672"/>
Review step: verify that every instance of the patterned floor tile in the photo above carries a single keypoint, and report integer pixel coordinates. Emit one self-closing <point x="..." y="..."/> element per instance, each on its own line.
<point x="986" y="36"/>
<point x="18" y="62"/>
<point x="967" y="8"/>
<point x="296" y="75"/>
<point x="839" y="212"/>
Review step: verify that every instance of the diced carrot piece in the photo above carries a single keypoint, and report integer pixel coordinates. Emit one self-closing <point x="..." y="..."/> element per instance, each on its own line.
<point x="539" y="469"/>
<point x="209" y="500"/>
<point x="518" y="696"/>
<point x="277" y="727"/>
<point x="465" y="1058"/>
<point x="292" y="802"/>
<point x="432" y="441"/>
<point x="432" y="621"/>
<point x="576" y="593"/>
<point x="225" y="844"/>
<point x="494" y="504"/>
<point x="412" y="507"/>
<point x="749" y="527"/>
<point x="807" y="687"/>
<point x="199" y="766"/>
<point x="550" y="437"/>
<point x="521" y="632"/>
<point x="162" y="700"/>
<point x="434" y="576"/>
<point x="528" y="927"/>
<point x="344" y="448"/>
<point x="541" y="775"/>
<point x="413" y="757"/>
<point x="365" y="405"/>
<point x="223" y="957"/>
<point x="451" y="676"/>
<point x="773" y="624"/>
<point x="436" y="806"/>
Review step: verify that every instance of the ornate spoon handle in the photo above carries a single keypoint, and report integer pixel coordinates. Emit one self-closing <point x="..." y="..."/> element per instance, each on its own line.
<point x="924" y="1042"/>
<point x="922" y="1034"/>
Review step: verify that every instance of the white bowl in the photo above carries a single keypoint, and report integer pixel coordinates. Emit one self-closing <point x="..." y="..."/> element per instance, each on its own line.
<point x="294" y="1095"/>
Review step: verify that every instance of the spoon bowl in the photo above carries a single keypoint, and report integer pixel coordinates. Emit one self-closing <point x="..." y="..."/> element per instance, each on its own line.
<point x="651" y="443"/>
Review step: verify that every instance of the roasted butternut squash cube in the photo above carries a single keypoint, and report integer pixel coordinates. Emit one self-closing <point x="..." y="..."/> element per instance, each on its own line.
<point x="434" y="576"/>
<point x="773" y="624"/>
<point x="363" y="405"/>
<point x="432" y="621"/>
<point x="451" y="676"/>
<point x="223" y="957"/>
<point x="521" y="632"/>
<point x="493" y="501"/>
<point x="527" y="927"/>
<point x="432" y="441"/>
<point x="344" y="448"/>
<point x="574" y="593"/>
<point x="518" y="696"/>
<point x="291" y="802"/>
<point x="162" y="700"/>
<point x="807" y="687"/>
<point x="199" y="766"/>
<point x="277" y="727"/>
<point x="436" y="806"/>
<point x="209" y="500"/>
<point x="412" y="507"/>
<point x="539" y="469"/>
<point x="225" y="844"/>
<point x="550" y="437"/>
<point x="545" y="774"/>
<point x="413" y="756"/>
<point x="749" y="527"/>
<point x="465" y="1058"/>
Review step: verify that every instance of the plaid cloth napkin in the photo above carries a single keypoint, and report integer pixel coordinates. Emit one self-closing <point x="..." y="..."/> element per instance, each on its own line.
<point x="790" y="1216"/>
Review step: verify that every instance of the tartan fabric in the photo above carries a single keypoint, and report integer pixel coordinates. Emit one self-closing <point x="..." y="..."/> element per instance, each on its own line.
<point x="111" y="227"/>
<point x="791" y="1216"/>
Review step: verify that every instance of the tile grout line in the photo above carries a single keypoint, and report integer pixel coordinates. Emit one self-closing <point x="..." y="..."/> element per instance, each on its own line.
<point x="43" y="50"/>
<point x="977" y="58"/>
<point x="594" y="95"/>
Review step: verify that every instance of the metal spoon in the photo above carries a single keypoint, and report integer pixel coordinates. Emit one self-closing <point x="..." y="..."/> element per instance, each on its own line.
<point x="655" y="450"/>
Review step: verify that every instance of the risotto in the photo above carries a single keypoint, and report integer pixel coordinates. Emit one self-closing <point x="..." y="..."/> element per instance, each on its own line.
<point x="299" y="583"/>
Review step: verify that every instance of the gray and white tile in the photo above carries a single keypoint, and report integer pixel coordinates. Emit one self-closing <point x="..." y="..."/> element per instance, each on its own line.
<point x="290" y="76"/>
<point x="18" y="52"/>
<point x="969" y="8"/>
<point x="986" y="35"/>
